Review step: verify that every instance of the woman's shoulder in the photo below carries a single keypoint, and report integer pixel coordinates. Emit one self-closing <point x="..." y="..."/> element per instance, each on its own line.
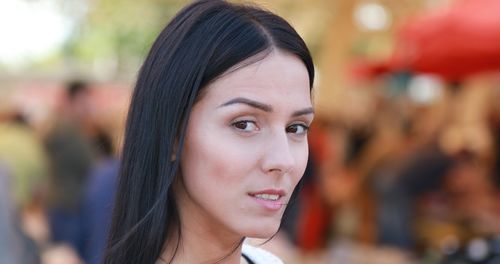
<point x="259" y="255"/>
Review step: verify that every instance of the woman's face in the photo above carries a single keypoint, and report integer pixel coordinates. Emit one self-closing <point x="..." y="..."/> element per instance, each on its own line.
<point x="246" y="148"/>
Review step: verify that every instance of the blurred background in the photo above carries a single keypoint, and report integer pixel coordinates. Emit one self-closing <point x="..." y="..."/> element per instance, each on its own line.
<point x="404" y="164"/>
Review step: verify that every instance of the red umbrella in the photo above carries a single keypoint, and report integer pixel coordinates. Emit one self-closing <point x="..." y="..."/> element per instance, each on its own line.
<point x="456" y="42"/>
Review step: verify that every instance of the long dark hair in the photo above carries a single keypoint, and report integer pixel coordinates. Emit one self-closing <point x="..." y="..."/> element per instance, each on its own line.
<point x="204" y="40"/>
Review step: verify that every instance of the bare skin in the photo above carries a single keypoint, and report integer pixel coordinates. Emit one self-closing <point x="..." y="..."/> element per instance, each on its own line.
<point x="245" y="151"/>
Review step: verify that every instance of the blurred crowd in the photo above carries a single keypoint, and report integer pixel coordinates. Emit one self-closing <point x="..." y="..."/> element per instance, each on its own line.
<point x="390" y="179"/>
<point x="58" y="173"/>
<point x="397" y="179"/>
<point x="403" y="168"/>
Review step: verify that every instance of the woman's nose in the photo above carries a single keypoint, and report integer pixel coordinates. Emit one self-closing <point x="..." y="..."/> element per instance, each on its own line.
<point x="278" y="157"/>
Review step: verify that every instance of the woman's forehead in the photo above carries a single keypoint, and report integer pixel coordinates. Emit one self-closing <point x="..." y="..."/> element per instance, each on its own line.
<point x="277" y="75"/>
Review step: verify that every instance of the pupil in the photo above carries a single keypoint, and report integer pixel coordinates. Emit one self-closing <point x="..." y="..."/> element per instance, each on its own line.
<point x="241" y="125"/>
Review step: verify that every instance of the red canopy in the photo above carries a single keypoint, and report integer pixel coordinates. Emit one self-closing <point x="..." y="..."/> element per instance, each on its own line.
<point x="455" y="42"/>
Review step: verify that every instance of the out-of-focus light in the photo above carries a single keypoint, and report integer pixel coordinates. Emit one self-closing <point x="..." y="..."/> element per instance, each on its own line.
<point x="372" y="16"/>
<point x="425" y="89"/>
<point x="478" y="249"/>
<point x="30" y="30"/>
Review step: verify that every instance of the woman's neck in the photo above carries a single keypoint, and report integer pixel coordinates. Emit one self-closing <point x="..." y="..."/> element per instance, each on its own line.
<point x="202" y="239"/>
<point x="198" y="249"/>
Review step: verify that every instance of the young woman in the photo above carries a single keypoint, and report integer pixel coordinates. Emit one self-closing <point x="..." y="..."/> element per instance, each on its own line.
<point x="216" y="138"/>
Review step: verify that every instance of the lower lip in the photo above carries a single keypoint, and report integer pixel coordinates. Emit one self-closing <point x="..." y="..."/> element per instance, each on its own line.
<point x="269" y="205"/>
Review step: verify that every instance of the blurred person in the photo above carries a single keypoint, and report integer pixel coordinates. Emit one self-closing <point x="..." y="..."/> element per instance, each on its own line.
<point x="465" y="228"/>
<point x="316" y="209"/>
<point x="420" y="164"/>
<point x="402" y="161"/>
<point x="473" y="194"/>
<point x="84" y="175"/>
<point x="10" y="242"/>
<point x="98" y="201"/>
<point x="71" y="156"/>
<point x="15" y="246"/>
<point x="398" y="181"/>
<point x="22" y="152"/>
<point x="216" y="139"/>
<point x="494" y="127"/>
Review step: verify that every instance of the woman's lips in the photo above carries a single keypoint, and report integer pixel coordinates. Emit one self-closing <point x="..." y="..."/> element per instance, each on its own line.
<point x="270" y="199"/>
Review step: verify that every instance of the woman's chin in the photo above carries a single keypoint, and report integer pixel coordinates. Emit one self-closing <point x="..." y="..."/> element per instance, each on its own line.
<point x="263" y="232"/>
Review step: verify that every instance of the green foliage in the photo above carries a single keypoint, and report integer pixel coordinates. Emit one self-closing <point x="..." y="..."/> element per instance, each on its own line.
<point x="121" y="30"/>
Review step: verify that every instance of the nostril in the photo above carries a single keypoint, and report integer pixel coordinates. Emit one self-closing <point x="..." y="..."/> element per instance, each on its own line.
<point x="281" y="171"/>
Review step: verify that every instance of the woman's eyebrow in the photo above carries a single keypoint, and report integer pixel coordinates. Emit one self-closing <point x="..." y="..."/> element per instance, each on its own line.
<point x="264" y="107"/>
<point x="306" y="111"/>
<point x="249" y="102"/>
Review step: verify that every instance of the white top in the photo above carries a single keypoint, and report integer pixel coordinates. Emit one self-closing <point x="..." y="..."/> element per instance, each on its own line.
<point x="259" y="255"/>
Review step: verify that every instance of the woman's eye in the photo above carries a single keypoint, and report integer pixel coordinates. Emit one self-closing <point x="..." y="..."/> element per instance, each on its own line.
<point x="245" y="126"/>
<point x="298" y="129"/>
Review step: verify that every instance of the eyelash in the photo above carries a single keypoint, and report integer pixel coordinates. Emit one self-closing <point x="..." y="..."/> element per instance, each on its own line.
<point x="240" y="122"/>
<point x="304" y="127"/>
<point x="235" y="125"/>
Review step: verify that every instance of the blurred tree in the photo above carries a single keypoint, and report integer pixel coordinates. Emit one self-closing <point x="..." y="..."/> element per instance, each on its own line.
<point x="108" y="39"/>
<point x="114" y="35"/>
